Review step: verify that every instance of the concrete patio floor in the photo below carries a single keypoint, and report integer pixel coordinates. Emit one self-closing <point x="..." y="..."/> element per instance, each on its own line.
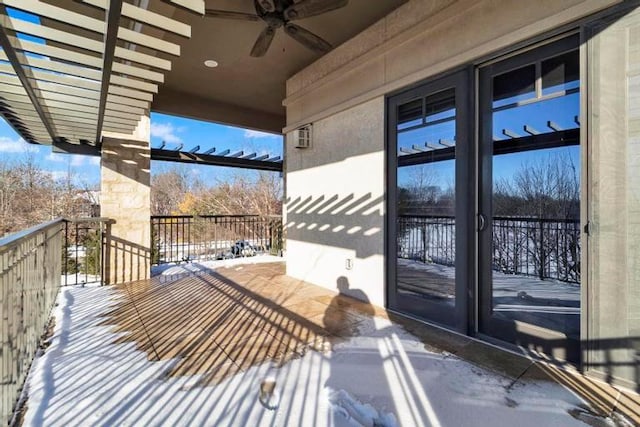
<point x="193" y="348"/>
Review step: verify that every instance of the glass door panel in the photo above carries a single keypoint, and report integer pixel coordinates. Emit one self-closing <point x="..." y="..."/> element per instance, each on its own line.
<point x="530" y="200"/>
<point x="424" y="131"/>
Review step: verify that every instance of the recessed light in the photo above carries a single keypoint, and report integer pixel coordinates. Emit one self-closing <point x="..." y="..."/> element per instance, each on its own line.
<point x="211" y="63"/>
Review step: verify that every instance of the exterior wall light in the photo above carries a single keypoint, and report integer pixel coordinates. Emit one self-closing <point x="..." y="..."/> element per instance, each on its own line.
<point x="302" y="136"/>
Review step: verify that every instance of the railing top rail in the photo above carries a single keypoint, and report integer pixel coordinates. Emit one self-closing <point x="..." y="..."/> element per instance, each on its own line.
<point x="90" y="219"/>
<point x="533" y="219"/>
<point x="16" y="238"/>
<point x="499" y="218"/>
<point x="427" y="216"/>
<point x="230" y="216"/>
<point x="214" y="216"/>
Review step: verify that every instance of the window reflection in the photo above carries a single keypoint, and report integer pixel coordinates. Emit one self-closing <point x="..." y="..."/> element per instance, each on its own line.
<point x="426" y="198"/>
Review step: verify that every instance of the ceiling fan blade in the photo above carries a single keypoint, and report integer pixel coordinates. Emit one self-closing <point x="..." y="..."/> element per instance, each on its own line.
<point x="307" y="38"/>
<point x="214" y="13"/>
<point x="309" y="8"/>
<point x="263" y="42"/>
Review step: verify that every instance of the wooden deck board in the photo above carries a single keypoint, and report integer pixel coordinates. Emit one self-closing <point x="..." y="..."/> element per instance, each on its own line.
<point x="221" y="322"/>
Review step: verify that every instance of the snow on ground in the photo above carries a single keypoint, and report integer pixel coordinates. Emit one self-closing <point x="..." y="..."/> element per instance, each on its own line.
<point x="383" y="377"/>
<point x="187" y="267"/>
<point x="80" y="279"/>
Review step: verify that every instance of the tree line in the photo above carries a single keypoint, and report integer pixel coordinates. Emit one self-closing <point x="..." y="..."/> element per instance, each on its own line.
<point x="547" y="188"/>
<point x="175" y="191"/>
<point x="30" y="195"/>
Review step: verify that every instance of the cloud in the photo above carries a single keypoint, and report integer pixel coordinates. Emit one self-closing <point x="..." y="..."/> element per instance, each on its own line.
<point x="56" y="157"/>
<point x="80" y="160"/>
<point x="166" y="132"/>
<point x="9" y="145"/>
<point x="74" y="160"/>
<point x="253" y="134"/>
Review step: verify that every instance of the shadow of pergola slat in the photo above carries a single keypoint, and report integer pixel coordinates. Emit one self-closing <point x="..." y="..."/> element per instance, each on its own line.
<point x="218" y="323"/>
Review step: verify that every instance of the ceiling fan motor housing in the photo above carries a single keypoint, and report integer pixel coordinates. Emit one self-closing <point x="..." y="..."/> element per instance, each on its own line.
<point x="277" y="14"/>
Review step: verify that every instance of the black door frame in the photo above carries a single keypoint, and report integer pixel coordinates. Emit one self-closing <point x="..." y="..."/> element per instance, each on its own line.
<point x="510" y="332"/>
<point x="461" y="317"/>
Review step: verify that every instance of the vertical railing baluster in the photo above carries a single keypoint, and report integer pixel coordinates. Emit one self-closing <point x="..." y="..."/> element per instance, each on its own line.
<point x="77" y="268"/>
<point x="66" y="252"/>
<point x="101" y="246"/>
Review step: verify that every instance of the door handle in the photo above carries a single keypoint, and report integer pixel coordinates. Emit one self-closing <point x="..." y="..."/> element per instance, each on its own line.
<point x="482" y="222"/>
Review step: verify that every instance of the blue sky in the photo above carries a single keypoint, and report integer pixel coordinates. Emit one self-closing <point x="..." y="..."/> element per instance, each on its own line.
<point x="172" y="130"/>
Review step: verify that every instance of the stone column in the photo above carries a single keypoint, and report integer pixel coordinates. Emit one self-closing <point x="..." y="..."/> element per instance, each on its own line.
<point x="126" y="198"/>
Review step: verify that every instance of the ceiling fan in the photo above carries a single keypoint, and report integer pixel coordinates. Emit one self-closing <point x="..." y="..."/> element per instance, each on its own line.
<point x="280" y="13"/>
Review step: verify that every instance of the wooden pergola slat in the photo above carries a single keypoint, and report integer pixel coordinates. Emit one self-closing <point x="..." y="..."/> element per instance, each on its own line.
<point x="81" y="21"/>
<point x="20" y="73"/>
<point x="7" y="82"/>
<point x="147" y="17"/>
<point x="70" y="86"/>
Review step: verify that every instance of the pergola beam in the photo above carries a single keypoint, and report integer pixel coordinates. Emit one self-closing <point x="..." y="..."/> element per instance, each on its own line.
<point x="110" y="40"/>
<point x="215" y="160"/>
<point x="68" y="148"/>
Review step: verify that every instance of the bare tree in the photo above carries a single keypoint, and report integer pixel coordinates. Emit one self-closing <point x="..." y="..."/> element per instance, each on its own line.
<point x="30" y="195"/>
<point x="548" y="188"/>
<point x="542" y="203"/>
<point x="168" y="189"/>
<point x="259" y="195"/>
<point x="10" y="186"/>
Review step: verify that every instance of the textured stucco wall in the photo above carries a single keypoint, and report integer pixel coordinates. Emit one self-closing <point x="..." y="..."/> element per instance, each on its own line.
<point x="418" y="40"/>
<point x="334" y="208"/>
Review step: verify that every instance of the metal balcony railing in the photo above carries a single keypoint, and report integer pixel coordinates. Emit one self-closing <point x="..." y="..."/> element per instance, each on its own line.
<point x="84" y="249"/>
<point x="206" y="237"/>
<point x="30" y="276"/>
<point x="545" y="248"/>
<point x="34" y="263"/>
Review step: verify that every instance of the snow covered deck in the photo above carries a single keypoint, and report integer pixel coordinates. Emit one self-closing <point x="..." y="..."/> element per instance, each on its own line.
<point x="193" y="346"/>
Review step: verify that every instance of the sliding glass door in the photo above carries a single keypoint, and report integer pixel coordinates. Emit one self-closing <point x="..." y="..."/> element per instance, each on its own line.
<point x="484" y="235"/>
<point x="529" y="199"/>
<point x="427" y="138"/>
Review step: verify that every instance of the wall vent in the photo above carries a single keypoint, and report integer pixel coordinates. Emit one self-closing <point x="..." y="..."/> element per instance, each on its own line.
<point x="302" y="137"/>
